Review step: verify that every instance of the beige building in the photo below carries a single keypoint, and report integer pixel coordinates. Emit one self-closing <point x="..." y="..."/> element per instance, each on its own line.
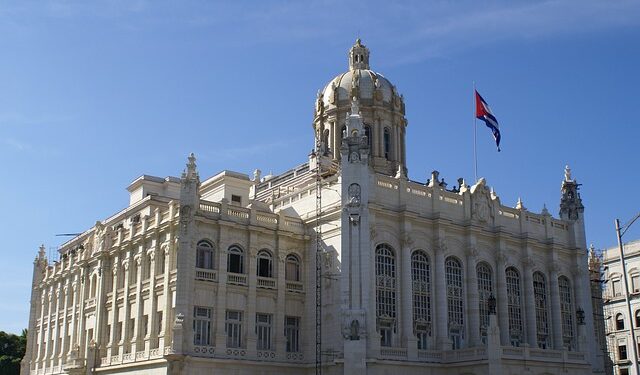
<point x="221" y="276"/>
<point x="618" y="323"/>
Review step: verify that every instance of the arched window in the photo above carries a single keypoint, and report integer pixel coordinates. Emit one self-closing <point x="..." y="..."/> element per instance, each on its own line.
<point x="637" y="318"/>
<point x="265" y="264"/>
<point x="204" y="255"/>
<point x="619" y="322"/>
<point x="235" y="260"/>
<point x="367" y="132"/>
<point x="542" y="315"/>
<point x="387" y="143"/>
<point x="514" y="306"/>
<point x="421" y="287"/>
<point x="455" y="306"/>
<point x="566" y="311"/>
<point x="385" y="292"/>
<point x="485" y="290"/>
<point x="292" y="268"/>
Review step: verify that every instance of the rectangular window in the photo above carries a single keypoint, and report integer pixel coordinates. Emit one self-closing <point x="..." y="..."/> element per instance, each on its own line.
<point x="615" y="288"/>
<point x="145" y="324"/>
<point x="422" y="334"/>
<point x="236" y="200"/>
<point x="635" y="283"/>
<point x="159" y="320"/>
<point x="385" y="333"/>
<point x="132" y="327"/>
<point x="201" y="325"/>
<point x="622" y="352"/>
<point x="263" y="330"/>
<point x="234" y="329"/>
<point x="119" y="332"/>
<point x="292" y="333"/>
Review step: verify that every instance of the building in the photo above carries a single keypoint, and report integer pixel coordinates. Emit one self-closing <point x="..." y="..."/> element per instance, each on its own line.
<point x="222" y="275"/>
<point x="618" y="322"/>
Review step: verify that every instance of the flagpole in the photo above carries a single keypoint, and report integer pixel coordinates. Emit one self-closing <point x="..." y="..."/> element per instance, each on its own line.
<point x="475" y="136"/>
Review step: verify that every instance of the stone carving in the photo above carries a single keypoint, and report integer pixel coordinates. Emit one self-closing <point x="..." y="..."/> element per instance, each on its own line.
<point x="407" y="240"/>
<point x="354" y="157"/>
<point x="354" y="330"/>
<point x="354" y="194"/>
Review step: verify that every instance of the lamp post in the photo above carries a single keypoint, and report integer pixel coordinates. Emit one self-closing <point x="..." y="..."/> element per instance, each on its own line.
<point x="620" y="231"/>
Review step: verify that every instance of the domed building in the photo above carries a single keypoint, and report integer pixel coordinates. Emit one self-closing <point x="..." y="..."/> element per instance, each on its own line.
<point x="340" y="265"/>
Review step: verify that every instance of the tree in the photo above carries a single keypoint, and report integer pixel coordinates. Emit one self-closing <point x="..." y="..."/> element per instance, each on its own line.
<point x="12" y="348"/>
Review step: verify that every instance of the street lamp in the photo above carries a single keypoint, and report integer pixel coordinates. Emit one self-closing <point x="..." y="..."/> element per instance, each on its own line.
<point x="620" y="231"/>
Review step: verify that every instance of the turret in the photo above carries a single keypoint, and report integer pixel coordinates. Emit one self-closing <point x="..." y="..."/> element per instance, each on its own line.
<point x="571" y="207"/>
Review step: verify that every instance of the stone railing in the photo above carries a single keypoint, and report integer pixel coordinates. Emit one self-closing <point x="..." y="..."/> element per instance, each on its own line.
<point x="430" y="355"/>
<point x="470" y="354"/>
<point x="155" y="353"/>
<point x="393" y="352"/>
<point x="209" y="207"/>
<point x="236" y="352"/>
<point x="206" y="275"/>
<point x="294" y="286"/>
<point x="128" y="357"/>
<point x="115" y="359"/>
<point x="236" y="279"/>
<point x="266" y="355"/>
<point x="295" y="356"/>
<point x="204" y="351"/>
<point x="266" y="282"/>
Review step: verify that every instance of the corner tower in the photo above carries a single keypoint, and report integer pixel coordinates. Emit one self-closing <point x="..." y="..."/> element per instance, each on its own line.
<point x="381" y="107"/>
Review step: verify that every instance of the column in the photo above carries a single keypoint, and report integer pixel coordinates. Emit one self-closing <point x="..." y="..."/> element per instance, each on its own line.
<point x="47" y="348"/>
<point x="221" y="299"/>
<point x="165" y="334"/>
<point x="74" y="317"/>
<point x="473" y="308"/>
<point x="136" y="340"/>
<point x="503" y="310"/>
<point x="529" y="303"/>
<point x="124" y="335"/>
<point x="114" y="311"/>
<point x="65" y="333"/>
<point x="406" y="299"/>
<point x="278" y="324"/>
<point x="56" y="327"/>
<point x="441" y="318"/>
<point x="101" y="310"/>
<point x="152" y="335"/>
<point x="84" y="276"/>
<point x="556" y="319"/>
<point x="250" y="313"/>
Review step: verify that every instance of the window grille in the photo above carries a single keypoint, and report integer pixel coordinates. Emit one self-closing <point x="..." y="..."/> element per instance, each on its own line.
<point x="566" y="311"/>
<point x="263" y="330"/>
<point x="455" y="306"/>
<point x="385" y="291"/>
<point x="514" y="307"/>
<point x="542" y="314"/>
<point x="421" y="286"/>
<point x="234" y="329"/>
<point x="235" y="260"/>
<point x="292" y="268"/>
<point x="204" y="255"/>
<point x="485" y="290"/>
<point x="265" y="264"/>
<point x="292" y="333"/>
<point x="201" y="325"/>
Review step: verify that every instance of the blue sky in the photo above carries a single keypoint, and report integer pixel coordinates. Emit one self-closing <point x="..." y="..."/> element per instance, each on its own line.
<point x="95" y="94"/>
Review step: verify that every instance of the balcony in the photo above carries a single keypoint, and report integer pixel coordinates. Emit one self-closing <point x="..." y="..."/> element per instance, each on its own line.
<point x="266" y="282"/>
<point x="204" y="351"/>
<point x="236" y="279"/>
<point x="206" y="275"/>
<point x="294" y="286"/>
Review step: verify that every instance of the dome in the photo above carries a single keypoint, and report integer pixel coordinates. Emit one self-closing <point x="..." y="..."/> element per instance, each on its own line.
<point x="360" y="81"/>
<point x="369" y="83"/>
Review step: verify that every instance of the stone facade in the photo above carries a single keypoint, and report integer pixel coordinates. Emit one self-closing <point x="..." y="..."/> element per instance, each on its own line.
<point x="618" y="323"/>
<point x="219" y="276"/>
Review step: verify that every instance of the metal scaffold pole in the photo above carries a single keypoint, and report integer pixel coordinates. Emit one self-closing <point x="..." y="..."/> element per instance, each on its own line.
<point x="319" y="253"/>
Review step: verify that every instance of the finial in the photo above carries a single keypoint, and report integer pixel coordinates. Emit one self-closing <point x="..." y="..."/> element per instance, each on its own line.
<point x="355" y="109"/>
<point x="41" y="252"/>
<point x="358" y="56"/>
<point x="545" y="211"/>
<point x="567" y="173"/>
<point x="400" y="172"/>
<point x="519" y="205"/>
<point x="256" y="175"/>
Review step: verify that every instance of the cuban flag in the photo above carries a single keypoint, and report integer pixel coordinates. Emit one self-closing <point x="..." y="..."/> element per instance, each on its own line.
<point x="483" y="112"/>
